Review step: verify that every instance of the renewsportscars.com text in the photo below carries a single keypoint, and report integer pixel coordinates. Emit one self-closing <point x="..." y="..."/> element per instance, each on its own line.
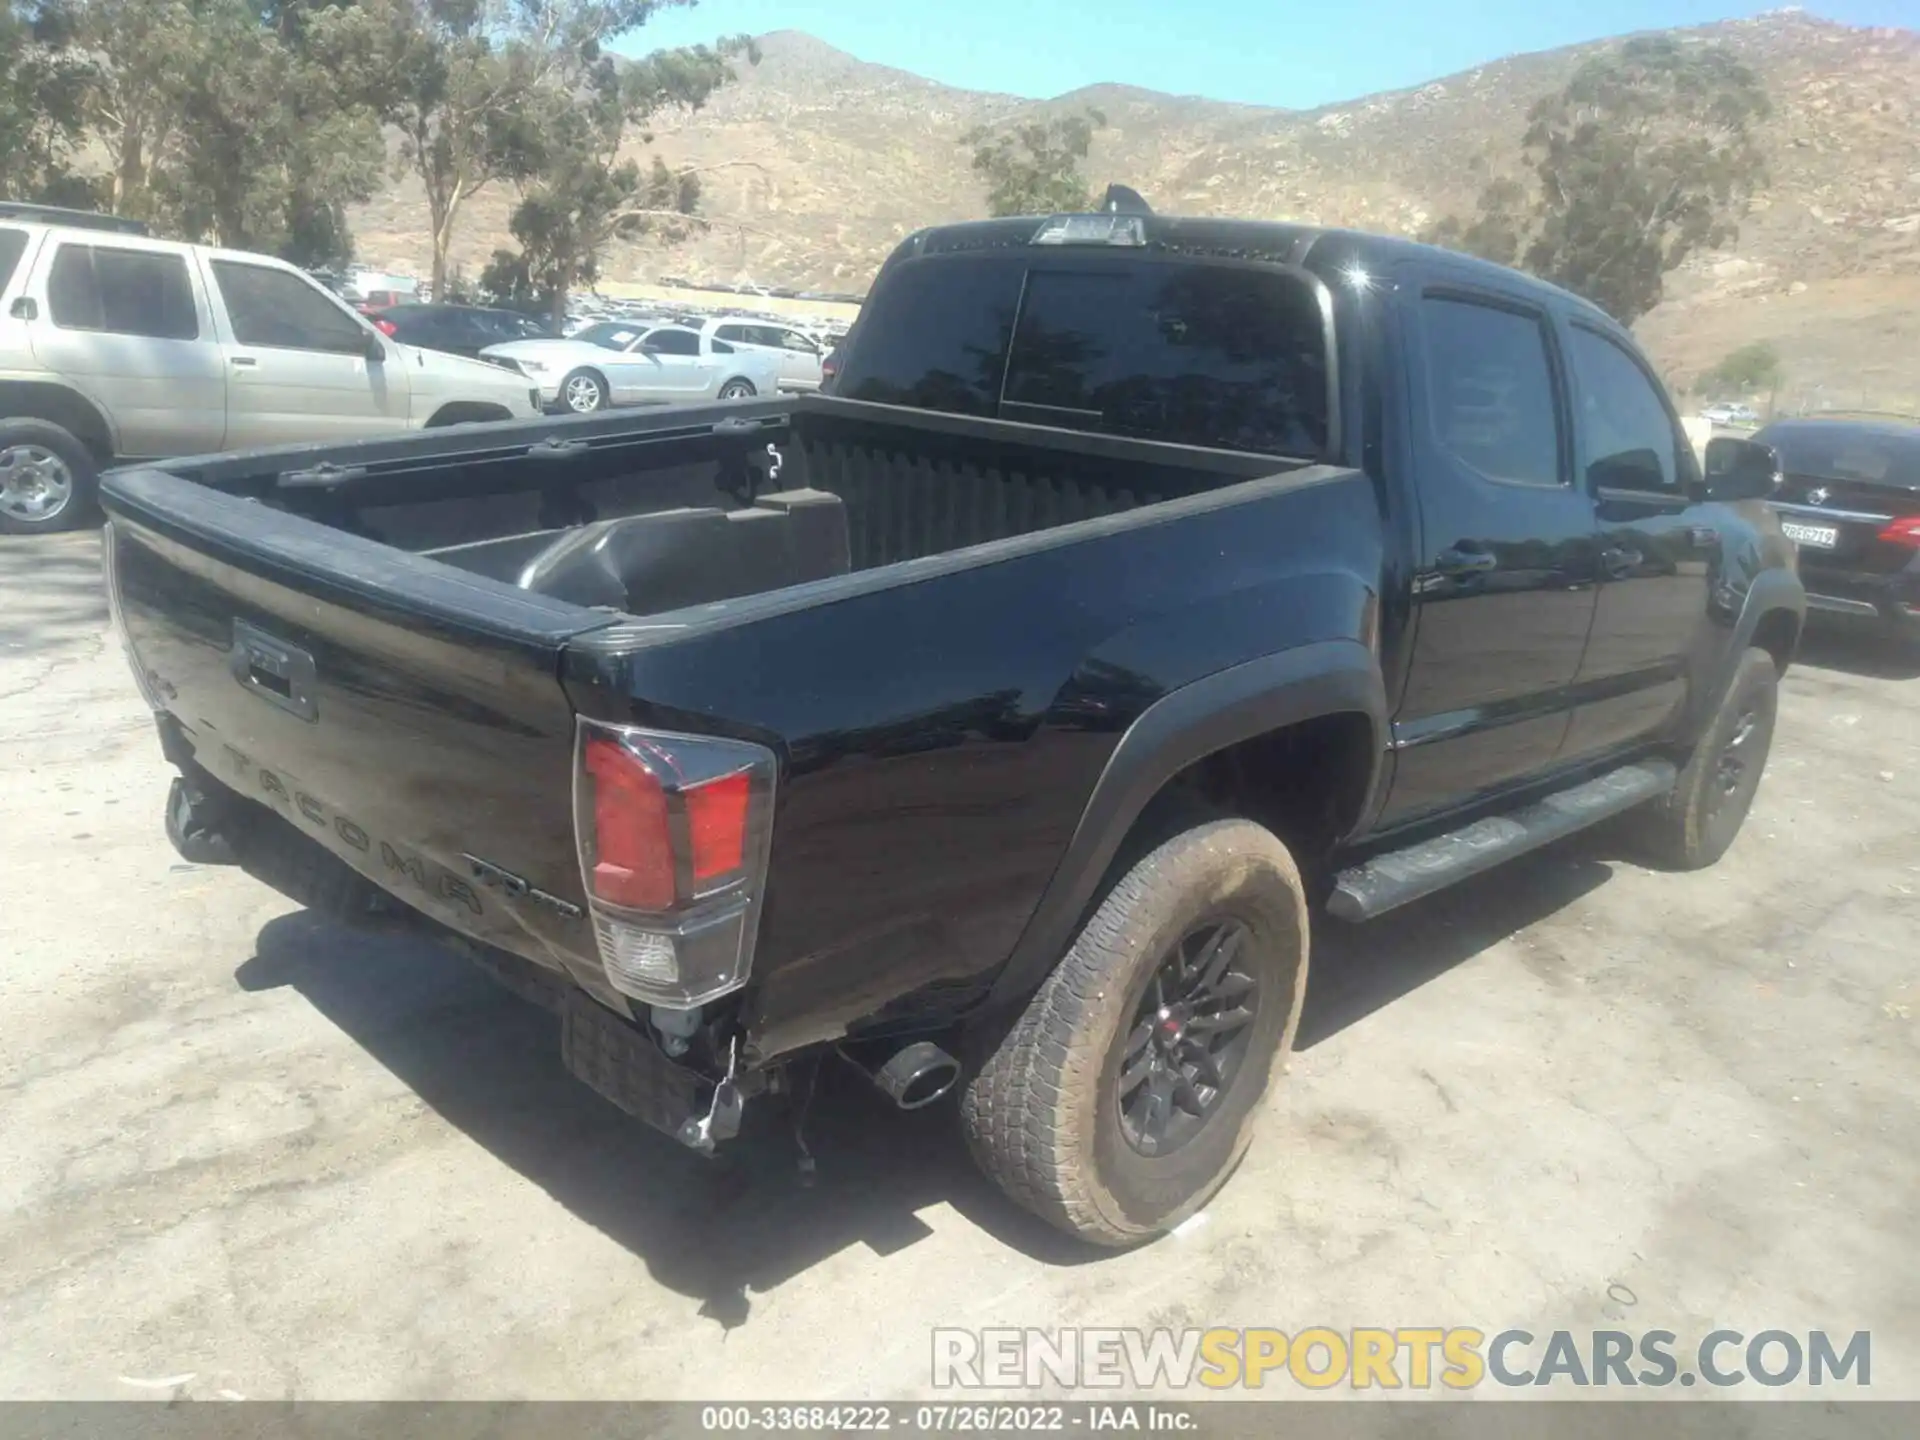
<point x="1402" y="1358"/>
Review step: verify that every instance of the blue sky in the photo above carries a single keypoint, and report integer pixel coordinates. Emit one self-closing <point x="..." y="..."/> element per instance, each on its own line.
<point x="1295" y="53"/>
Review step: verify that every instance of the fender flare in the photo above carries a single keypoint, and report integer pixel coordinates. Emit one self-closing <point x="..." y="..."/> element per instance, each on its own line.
<point x="1772" y="592"/>
<point x="1327" y="677"/>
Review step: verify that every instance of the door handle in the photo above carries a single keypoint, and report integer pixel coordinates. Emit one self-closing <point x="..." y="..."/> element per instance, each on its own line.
<point x="24" y="308"/>
<point x="1465" y="562"/>
<point x="245" y="362"/>
<point x="1620" y="563"/>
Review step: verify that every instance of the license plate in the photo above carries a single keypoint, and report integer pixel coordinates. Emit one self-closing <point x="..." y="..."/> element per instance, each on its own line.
<point x="1823" y="537"/>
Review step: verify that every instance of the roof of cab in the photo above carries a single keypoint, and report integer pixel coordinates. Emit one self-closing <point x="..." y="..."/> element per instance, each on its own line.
<point x="1274" y="241"/>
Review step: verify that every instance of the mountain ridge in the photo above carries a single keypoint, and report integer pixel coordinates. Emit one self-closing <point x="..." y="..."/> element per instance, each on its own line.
<point x="817" y="163"/>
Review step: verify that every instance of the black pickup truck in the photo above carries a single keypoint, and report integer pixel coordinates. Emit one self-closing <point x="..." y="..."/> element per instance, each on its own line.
<point x="1005" y="721"/>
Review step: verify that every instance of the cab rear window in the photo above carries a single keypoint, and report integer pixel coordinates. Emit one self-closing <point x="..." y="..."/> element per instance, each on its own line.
<point x="1224" y="356"/>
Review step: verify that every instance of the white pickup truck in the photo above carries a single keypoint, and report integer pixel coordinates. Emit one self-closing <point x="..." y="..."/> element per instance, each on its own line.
<point x="116" y="346"/>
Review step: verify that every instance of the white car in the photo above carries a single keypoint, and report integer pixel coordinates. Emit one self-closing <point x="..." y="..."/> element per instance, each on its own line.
<point x="617" y="362"/>
<point x="798" y="354"/>
<point x="1727" y="414"/>
<point x="115" y="346"/>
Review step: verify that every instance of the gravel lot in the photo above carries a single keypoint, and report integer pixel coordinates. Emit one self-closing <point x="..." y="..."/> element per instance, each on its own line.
<point x="282" y="1160"/>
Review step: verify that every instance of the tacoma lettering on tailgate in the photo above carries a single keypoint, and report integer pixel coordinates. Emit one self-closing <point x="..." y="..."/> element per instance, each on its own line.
<point x="437" y="882"/>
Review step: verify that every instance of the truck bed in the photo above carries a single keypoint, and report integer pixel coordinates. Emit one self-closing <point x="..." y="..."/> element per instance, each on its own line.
<point x="939" y="625"/>
<point x="887" y="485"/>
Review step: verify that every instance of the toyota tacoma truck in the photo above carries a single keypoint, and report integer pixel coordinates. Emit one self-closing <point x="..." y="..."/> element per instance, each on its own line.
<point x="1149" y="593"/>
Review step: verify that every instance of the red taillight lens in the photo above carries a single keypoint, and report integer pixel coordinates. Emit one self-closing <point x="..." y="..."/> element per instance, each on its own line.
<point x="717" y="826"/>
<point x="632" y="846"/>
<point x="673" y="832"/>
<point x="386" y="327"/>
<point x="1904" y="531"/>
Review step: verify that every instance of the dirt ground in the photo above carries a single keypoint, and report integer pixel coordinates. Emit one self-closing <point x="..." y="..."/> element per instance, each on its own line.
<point x="246" y="1153"/>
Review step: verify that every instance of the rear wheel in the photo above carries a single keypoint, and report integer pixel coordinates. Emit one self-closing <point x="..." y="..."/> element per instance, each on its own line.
<point x="1692" y="826"/>
<point x="738" y="390"/>
<point x="584" y="392"/>
<point x="1123" y="1096"/>
<point x="48" y="480"/>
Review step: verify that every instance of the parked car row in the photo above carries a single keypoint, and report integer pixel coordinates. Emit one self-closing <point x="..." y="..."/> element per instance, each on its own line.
<point x="664" y="359"/>
<point x="620" y="363"/>
<point x="456" y="329"/>
<point x="116" y="346"/>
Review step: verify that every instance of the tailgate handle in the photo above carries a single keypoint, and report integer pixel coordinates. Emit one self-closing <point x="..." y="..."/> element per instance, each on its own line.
<point x="279" y="673"/>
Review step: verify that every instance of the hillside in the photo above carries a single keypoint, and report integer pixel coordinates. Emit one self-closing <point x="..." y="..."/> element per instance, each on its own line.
<point x="827" y="161"/>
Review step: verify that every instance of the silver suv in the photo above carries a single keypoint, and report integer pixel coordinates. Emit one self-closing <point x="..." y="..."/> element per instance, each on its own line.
<point x="115" y="346"/>
<point x="798" y="353"/>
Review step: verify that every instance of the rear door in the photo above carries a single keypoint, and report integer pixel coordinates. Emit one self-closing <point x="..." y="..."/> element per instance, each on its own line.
<point x="1505" y="576"/>
<point x="799" y="357"/>
<point x="128" y="327"/>
<point x="16" y="266"/>
<point x="1658" y="547"/>
<point x="299" y="364"/>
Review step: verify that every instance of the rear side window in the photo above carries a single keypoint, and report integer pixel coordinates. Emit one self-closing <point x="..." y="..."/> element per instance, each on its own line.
<point x="672" y="342"/>
<point x="282" y="312"/>
<point x="13" y="244"/>
<point x="1197" y="354"/>
<point x="122" y="292"/>
<point x="1627" y="436"/>
<point x="943" y="345"/>
<point x="495" y="325"/>
<point x="1490" y="390"/>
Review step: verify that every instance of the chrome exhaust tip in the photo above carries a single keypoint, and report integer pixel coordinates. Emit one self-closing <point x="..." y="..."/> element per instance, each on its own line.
<point x="914" y="1076"/>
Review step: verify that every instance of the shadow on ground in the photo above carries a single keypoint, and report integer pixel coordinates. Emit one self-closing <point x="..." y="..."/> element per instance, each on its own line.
<point x="51" y="593"/>
<point x="1857" y="649"/>
<point x="721" y="1230"/>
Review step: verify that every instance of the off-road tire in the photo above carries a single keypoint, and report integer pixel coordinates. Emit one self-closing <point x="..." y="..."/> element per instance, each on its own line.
<point x="1693" y="824"/>
<point x="1042" y="1112"/>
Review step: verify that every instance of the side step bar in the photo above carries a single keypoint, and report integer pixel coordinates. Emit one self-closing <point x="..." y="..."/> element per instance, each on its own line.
<point x="1389" y="881"/>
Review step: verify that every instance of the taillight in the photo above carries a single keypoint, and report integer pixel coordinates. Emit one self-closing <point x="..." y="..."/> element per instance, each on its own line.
<point x="632" y="843"/>
<point x="1904" y="531"/>
<point x="673" y="832"/>
<point x="385" y="327"/>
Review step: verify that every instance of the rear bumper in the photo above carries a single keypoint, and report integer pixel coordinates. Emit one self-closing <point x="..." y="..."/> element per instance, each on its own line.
<point x="611" y="1054"/>
<point x="1890" y="600"/>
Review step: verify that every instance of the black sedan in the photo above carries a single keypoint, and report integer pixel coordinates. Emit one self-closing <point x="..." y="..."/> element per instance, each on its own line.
<point x="456" y="329"/>
<point x="1849" y="497"/>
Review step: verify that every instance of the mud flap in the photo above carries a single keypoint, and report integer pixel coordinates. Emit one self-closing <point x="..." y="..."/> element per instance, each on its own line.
<point x="194" y="826"/>
<point x="620" y="1061"/>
